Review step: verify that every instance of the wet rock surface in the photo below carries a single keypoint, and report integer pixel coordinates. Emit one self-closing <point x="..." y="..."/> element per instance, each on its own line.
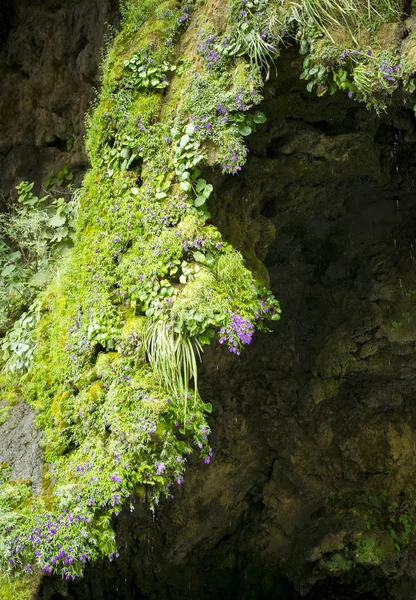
<point x="49" y="66"/>
<point x="19" y="445"/>
<point x="311" y="490"/>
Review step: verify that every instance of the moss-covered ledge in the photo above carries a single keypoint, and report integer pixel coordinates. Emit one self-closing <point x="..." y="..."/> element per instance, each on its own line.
<point x="151" y="280"/>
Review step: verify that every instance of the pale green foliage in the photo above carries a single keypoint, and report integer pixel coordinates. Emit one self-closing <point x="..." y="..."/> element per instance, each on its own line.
<point x="348" y="15"/>
<point x="18" y="346"/>
<point x="34" y="235"/>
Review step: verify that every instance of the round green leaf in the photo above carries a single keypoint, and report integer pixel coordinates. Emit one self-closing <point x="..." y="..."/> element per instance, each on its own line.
<point x="201" y="183"/>
<point x="207" y="190"/>
<point x="199" y="257"/>
<point x="200" y="201"/>
<point x="259" y="118"/>
<point x="244" y="129"/>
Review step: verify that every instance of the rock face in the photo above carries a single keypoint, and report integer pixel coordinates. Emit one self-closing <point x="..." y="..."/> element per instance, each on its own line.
<point x="19" y="445"/>
<point x="311" y="490"/>
<point x="49" y="58"/>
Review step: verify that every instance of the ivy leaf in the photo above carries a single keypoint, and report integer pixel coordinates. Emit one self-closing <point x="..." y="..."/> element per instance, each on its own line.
<point x="310" y="85"/>
<point x="200" y="201"/>
<point x="208" y="407"/>
<point x="244" y="129"/>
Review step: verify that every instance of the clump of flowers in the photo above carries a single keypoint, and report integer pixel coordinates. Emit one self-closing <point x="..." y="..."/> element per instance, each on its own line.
<point x="237" y="333"/>
<point x="207" y="48"/>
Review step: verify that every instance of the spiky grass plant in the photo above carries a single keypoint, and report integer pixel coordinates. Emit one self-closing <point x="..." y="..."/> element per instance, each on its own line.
<point x="349" y="15"/>
<point x="174" y="358"/>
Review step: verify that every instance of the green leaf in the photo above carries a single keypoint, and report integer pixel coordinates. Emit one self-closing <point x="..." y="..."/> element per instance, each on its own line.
<point x="244" y="129"/>
<point x="200" y="185"/>
<point x="39" y="279"/>
<point x="208" y="407"/>
<point x="209" y="260"/>
<point x="199" y="256"/>
<point x="259" y="118"/>
<point x="190" y="128"/>
<point x="160" y="195"/>
<point x="184" y="140"/>
<point x="210" y="333"/>
<point x="207" y="191"/>
<point x="8" y="270"/>
<point x="185" y="186"/>
<point x="57" y="221"/>
<point x="310" y="85"/>
<point x="200" y="201"/>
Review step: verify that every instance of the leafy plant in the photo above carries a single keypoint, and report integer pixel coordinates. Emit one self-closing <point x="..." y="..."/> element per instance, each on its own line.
<point x="143" y="72"/>
<point x="33" y="236"/>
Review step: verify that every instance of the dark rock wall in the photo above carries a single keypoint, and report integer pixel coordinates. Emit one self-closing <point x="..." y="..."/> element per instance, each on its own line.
<point x="314" y="426"/>
<point x="49" y="67"/>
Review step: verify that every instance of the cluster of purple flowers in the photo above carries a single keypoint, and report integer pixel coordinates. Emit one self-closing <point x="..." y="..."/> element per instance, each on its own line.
<point x="207" y="459"/>
<point x="238" y="332"/>
<point x="206" y="48"/>
<point x="347" y="53"/>
<point x="184" y="17"/>
<point x="235" y="157"/>
<point x="389" y="72"/>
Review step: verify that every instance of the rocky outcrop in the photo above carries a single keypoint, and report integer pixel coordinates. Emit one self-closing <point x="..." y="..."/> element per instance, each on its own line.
<point x="311" y="490"/>
<point x="49" y="68"/>
<point x="20" y="445"/>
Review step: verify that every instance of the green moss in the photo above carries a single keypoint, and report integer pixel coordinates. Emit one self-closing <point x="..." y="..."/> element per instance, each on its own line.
<point x="150" y="279"/>
<point x="24" y="588"/>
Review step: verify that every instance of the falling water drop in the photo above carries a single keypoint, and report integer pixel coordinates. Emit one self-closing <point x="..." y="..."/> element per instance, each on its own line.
<point x="397" y="203"/>
<point x="395" y="243"/>
<point x="400" y="282"/>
